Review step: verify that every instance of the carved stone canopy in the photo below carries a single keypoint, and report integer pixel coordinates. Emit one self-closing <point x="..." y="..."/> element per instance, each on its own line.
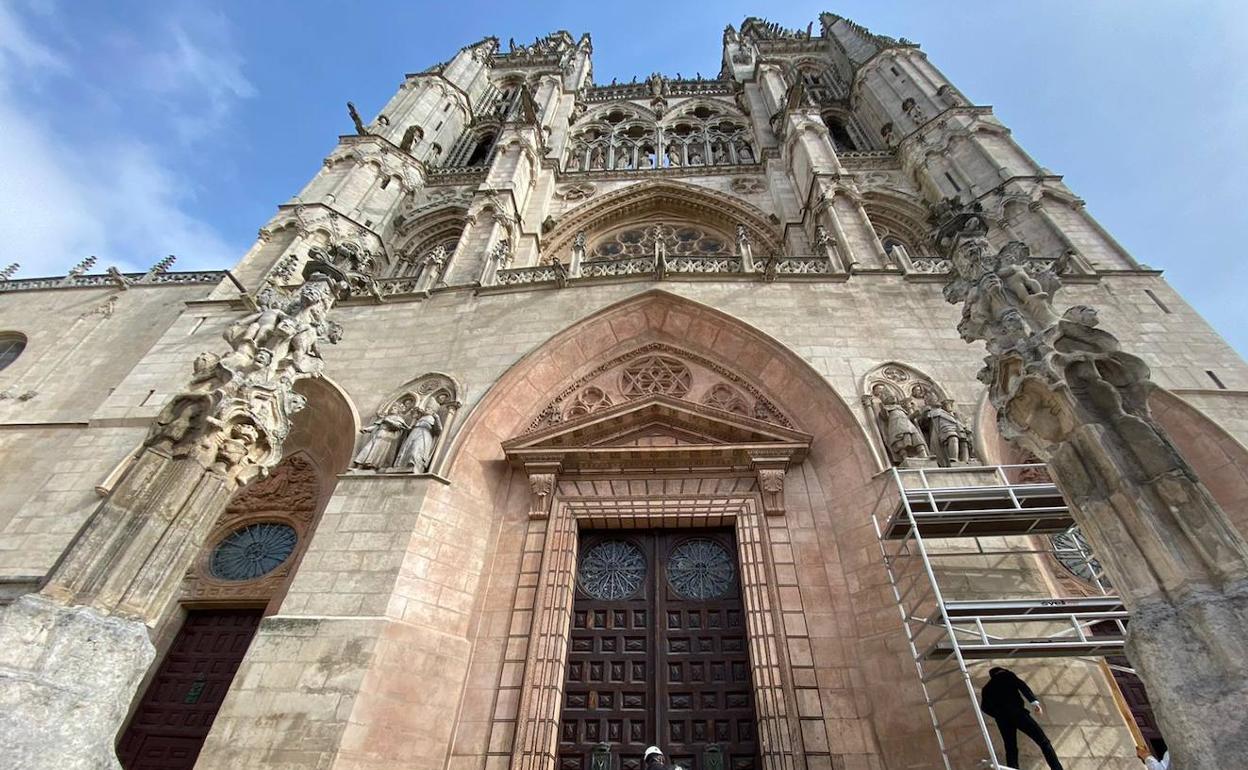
<point x="660" y="432"/>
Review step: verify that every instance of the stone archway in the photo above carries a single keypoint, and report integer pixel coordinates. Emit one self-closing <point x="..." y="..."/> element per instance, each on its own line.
<point x="820" y="579"/>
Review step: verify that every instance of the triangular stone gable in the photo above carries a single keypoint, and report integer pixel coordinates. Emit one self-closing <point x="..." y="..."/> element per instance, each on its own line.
<point x="658" y="430"/>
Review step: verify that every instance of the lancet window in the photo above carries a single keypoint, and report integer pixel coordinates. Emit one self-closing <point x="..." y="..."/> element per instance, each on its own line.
<point x="626" y="138"/>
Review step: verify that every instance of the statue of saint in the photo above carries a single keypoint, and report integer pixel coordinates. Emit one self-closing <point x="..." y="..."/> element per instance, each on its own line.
<point x="948" y="437"/>
<point x="379" y="450"/>
<point x="901" y="435"/>
<point x="417" y="450"/>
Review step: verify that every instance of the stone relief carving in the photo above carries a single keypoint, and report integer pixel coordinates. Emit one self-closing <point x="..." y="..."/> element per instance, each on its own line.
<point x="576" y="192"/>
<point x="406" y="434"/>
<point x="236" y="413"/>
<point x="658" y="369"/>
<point x="588" y="401"/>
<point x="747" y="185"/>
<point x="724" y="396"/>
<point x="655" y="374"/>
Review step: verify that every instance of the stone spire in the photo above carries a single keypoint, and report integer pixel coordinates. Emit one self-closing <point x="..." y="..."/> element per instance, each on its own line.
<point x="1066" y="391"/>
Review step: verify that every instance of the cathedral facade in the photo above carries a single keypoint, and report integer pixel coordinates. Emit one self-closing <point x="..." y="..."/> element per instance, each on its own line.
<point x="554" y="419"/>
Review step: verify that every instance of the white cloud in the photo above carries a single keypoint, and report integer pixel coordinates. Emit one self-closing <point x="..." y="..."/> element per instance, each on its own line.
<point x="111" y="194"/>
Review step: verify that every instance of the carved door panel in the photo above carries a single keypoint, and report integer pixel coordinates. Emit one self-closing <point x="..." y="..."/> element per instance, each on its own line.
<point x="180" y="703"/>
<point x="658" y="654"/>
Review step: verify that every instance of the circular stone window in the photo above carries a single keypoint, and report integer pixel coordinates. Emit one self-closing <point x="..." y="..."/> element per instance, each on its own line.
<point x="612" y="569"/>
<point x="253" y="551"/>
<point x="700" y="569"/>
<point x="1074" y="552"/>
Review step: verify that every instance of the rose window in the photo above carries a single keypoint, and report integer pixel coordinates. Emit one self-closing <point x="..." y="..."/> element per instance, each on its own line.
<point x="655" y="374"/>
<point x="253" y="551"/>
<point x="612" y="569"/>
<point x="683" y="241"/>
<point x="700" y="569"/>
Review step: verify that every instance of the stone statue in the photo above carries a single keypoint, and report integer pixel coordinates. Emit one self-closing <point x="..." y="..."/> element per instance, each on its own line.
<point x="378" y="451"/>
<point x="902" y="437"/>
<point x="355" y="118"/>
<point x="417" y="450"/>
<point x="409" y="138"/>
<point x="673" y="155"/>
<point x="947" y="436"/>
<point x="721" y="154"/>
<point x="745" y="153"/>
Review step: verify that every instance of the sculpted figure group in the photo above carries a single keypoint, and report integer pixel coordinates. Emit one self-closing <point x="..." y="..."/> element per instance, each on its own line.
<point x="400" y="440"/>
<point x="922" y="428"/>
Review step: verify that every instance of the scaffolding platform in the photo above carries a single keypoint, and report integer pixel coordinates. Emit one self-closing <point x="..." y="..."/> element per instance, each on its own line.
<point x="992" y="507"/>
<point x="946" y="633"/>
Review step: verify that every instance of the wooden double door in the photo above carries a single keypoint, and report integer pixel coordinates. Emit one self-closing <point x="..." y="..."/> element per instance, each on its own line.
<point x="180" y="704"/>
<point x="658" y="654"/>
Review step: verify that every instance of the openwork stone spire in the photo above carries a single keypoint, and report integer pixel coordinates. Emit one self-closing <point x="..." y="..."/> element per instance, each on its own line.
<point x="1066" y="391"/>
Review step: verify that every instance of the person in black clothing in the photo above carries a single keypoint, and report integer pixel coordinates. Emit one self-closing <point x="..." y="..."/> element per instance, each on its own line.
<point x="653" y="759"/>
<point x="1003" y="699"/>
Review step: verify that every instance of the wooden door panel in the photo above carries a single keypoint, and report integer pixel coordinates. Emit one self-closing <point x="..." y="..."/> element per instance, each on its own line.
<point x="649" y="663"/>
<point x="182" y="700"/>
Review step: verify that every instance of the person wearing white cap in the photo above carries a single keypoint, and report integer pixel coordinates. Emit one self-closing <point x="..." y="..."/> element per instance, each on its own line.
<point x="653" y="758"/>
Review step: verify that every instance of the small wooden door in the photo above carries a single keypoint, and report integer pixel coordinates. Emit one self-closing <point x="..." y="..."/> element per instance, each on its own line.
<point x="182" y="700"/>
<point x="658" y="654"/>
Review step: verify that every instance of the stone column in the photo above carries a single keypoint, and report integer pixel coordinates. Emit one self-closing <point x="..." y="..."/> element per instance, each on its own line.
<point x="73" y="655"/>
<point x="1065" y="391"/>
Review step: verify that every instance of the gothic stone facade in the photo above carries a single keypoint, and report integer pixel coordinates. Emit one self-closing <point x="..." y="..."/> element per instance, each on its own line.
<point x="664" y="305"/>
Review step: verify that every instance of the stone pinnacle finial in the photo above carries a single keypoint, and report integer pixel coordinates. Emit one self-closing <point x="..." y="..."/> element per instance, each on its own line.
<point x="82" y="267"/>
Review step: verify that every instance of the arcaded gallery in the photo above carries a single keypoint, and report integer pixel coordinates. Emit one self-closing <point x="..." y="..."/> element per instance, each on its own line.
<point x="780" y="420"/>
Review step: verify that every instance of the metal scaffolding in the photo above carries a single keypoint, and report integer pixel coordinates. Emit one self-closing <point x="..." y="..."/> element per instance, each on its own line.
<point x="972" y="503"/>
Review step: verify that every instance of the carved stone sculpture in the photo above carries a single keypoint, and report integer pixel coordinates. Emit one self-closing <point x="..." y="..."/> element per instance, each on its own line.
<point x="902" y="437"/>
<point x="417" y="449"/>
<point x="252" y="385"/>
<point x="947" y="436"/>
<point x="382" y="445"/>
<point x="355" y="119"/>
<point x="1066" y="392"/>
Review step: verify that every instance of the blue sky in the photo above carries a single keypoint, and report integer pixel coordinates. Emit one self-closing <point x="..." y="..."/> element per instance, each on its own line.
<point x="133" y="130"/>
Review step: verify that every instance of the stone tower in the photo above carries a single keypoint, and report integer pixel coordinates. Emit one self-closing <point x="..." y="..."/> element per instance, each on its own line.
<point x="554" y="419"/>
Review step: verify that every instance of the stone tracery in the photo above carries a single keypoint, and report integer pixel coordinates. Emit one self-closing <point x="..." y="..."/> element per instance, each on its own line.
<point x="659" y="369"/>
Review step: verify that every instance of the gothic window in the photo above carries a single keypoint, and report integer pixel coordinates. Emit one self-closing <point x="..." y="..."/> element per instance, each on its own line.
<point x="678" y="240"/>
<point x="253" y="551"/>
<point x="655" y="375"/>
<point x="612" y="570"/>
<point x="481" y="152"/>
<point x="841" y="139"/>
<point x="700" y="569"/>
<point x="11" y="346"/>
